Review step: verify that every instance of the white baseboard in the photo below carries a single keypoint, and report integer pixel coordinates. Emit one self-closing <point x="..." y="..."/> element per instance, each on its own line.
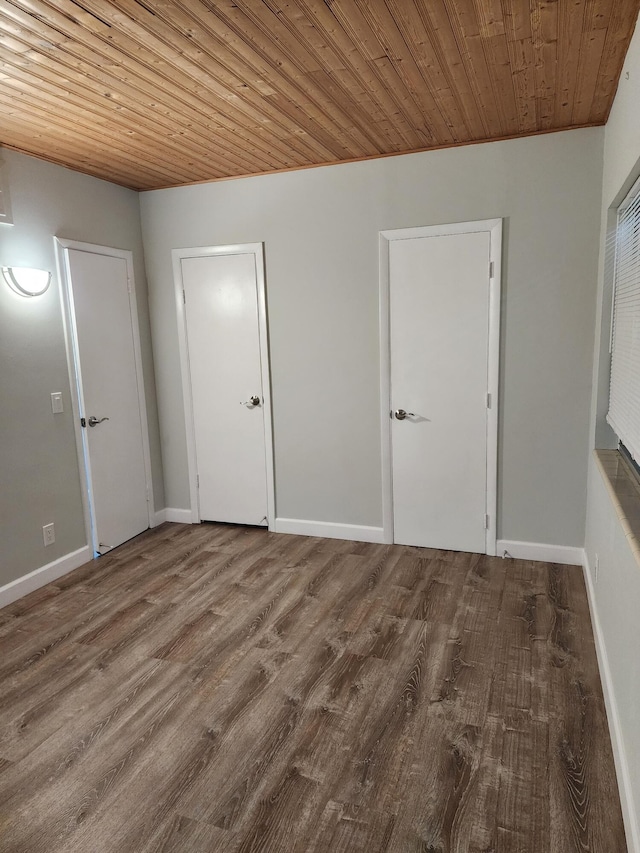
<point x="183" y="516"/>
<point x="159" y="517"/>
<point x="45" y="574"/>
<point x="329" y="530"/>
<point x="631" y="827"/>
<point x="541" y="552"/>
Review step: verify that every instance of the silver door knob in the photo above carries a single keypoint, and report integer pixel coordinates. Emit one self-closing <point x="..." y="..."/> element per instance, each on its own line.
<point x="95" y="421"/>
<point x="401" y="414"/>
<point x="252" y="402"/>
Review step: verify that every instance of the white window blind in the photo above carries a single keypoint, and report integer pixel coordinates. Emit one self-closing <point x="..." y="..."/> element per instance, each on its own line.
<point x="624" y="389"/>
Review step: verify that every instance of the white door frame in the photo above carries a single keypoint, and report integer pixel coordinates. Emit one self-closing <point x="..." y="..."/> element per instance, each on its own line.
<point x="255" y="249"/>
<point x="494" y="227"/>
<point x="62" y="247"/>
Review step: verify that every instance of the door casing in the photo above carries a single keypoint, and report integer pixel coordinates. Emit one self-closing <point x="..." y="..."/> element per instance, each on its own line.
<point x="62" y="247"/>
<point x="494" y="227"/>
<point x="255" y="249"/>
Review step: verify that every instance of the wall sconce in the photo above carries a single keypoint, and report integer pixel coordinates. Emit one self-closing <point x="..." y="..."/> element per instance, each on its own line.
<point x="27" y="281"/>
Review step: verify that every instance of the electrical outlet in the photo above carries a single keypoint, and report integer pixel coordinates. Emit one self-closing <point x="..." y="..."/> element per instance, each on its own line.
<point x="49" y="534"/>
<point x="596" y="568"/>
<point x="56" y="402"/>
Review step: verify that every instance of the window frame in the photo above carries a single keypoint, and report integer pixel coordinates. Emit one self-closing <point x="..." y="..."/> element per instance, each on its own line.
<point x="628" y="435"/>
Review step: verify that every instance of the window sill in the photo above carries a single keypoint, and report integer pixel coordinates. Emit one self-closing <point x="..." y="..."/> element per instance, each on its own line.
<point x="624" y="489"/>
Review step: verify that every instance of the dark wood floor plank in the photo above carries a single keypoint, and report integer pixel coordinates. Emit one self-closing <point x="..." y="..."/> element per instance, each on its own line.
<point x="579" y="776"/>
<point x="32" y="701"/>
<point x="26" y="650"/>
<point x="63" y="736"/>
<point x="523" y="793"/>
<point x="276" y="821"/>
<point x="179" y="834"/>
<point x="170" y="757"/>
<point x="26" y="605"/>
<point x="380" y="747"/>
<point x="483" y="815"/>
<point x="215" y="687"/>
<point x="104" y="759"/>
<point x="344" y="827"/>
<point x="310" y="707"/>
<point x="436" y="808"/>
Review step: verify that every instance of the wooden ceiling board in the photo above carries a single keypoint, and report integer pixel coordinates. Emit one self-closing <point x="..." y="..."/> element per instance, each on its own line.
<point x="615" y="49"/>
<point x="146" y="79"/>
<point x="167" y="92"/>
<point x="98" y="116"/>
<point x="187" y="92"/>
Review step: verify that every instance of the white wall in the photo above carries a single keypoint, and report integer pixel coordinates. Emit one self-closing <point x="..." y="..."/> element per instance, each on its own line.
<point x="622" y="133"/>
<point x="320" y="229"/>
<point x="617" y="592"/>
<point x="38" y="463"/>
<point x="616" y="596"/>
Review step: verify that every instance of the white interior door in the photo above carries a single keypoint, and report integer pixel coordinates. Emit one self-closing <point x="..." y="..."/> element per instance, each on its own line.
<point x="108" y="376"/>
<point x="222" y="319"/>
<point x="439" y="312"/>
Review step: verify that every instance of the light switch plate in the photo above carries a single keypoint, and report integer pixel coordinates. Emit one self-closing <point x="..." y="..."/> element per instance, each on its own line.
<point x="56" y="402"/>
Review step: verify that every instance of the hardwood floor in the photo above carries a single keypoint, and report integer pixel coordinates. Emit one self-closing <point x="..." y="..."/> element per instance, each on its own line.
<point x="217" y="688"/>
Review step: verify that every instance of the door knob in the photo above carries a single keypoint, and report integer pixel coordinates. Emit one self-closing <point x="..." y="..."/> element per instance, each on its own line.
<point x="95" y="421"/>
<point x="401" y="414"/>
<point x="252" y="402"/>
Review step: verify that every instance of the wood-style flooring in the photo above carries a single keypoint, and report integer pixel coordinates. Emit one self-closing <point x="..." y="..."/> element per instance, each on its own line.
<point x="218" y="688"/>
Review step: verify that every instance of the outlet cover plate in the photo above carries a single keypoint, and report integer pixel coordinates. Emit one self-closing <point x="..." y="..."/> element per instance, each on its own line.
<point x="49" y="534"/>
<point x="56" y="402"/>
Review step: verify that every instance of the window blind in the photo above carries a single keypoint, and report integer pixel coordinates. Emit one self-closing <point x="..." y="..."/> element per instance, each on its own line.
<point x="624" y="388"/>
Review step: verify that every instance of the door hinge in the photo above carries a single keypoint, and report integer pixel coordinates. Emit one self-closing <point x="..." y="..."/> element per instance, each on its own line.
<point x="490" y="269"/>
<point x="486" y="522"/>
<point x="198" y="481"/>
<point x="488" y="400"/>
<point x="184" y="298"/>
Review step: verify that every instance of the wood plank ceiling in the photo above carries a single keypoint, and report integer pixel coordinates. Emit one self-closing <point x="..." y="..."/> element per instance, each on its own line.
<point x="166" y="92"/>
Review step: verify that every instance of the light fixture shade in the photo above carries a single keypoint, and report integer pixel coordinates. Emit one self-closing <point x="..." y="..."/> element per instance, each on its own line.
<point x="27" y="281"/>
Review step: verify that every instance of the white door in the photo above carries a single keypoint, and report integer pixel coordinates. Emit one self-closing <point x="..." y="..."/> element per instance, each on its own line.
<point x="223" y="338"/>
<point x="439" y="319"/>
<point x="108" y="375"/>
